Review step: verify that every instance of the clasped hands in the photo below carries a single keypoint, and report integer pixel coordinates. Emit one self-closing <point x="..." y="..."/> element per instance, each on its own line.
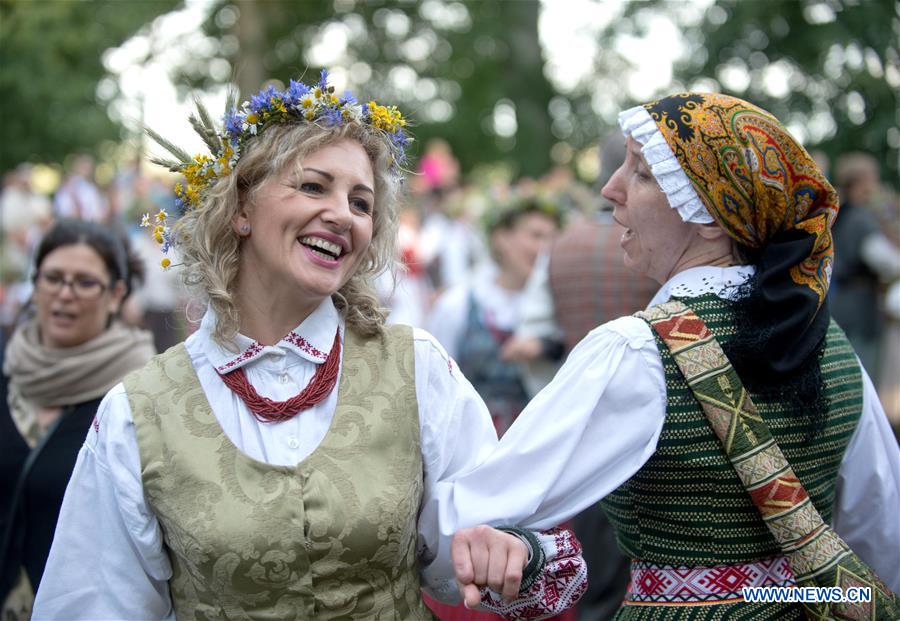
<point x="487" y="557"/>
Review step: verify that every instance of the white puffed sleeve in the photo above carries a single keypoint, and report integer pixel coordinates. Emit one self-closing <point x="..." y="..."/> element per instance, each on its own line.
<point x="107" y="559"/>
<point x="580" y="438"/>
<point x="867" y="494"/>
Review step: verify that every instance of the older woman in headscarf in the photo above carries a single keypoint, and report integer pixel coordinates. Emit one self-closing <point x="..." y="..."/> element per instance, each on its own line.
<point x="733" y="218"/>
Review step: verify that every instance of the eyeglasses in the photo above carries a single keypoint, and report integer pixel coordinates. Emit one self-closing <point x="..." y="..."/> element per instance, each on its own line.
<point x="83" y="287"/>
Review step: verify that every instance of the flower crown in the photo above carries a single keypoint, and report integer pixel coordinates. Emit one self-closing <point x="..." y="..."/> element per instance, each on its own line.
<point x="311" y="104"/>
<point x="504" y="213"/>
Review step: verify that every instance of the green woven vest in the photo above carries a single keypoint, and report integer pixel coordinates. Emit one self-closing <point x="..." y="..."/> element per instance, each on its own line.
<point x="332" y="538"/>
<point x="686" y="505"/>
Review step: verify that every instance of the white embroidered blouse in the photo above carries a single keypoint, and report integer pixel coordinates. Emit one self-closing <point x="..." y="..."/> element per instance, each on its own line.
<point x="583" y="436"/>
<point x="597" y="423"/>
<point x="108" y="559"/>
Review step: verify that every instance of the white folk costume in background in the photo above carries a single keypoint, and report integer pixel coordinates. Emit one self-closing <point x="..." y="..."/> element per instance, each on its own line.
<point x="473" y="321"/>
<point x="201" y="493"/>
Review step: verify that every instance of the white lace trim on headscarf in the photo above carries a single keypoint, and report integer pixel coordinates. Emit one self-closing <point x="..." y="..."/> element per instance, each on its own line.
<point x="637" y="123"/>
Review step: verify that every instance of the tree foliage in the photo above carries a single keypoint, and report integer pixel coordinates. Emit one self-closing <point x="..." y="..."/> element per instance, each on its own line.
<point x="836" y="56"/>
<point x="50" y="66"/>
<point x="829" y="69"/>
<point x="448" y="64"/>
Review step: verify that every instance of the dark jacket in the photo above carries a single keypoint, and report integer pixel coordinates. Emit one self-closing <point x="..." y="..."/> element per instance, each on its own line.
<point x="35" y="501"/>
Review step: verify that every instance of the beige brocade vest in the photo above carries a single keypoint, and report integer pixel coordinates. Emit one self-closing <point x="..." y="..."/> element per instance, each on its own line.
<point x="332" y="538"/>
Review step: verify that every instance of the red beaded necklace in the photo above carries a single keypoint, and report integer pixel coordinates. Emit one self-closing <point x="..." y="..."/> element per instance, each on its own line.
<point x="267" y="411"/>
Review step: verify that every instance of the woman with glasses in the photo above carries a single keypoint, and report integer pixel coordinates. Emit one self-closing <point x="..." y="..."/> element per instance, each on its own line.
<point x="58" y="365"/>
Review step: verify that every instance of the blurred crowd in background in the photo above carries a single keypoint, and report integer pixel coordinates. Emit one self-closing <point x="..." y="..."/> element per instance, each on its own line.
<point x="508" y="254"/>
<point x="508" y="274"/>
<point x="467" y="250"/>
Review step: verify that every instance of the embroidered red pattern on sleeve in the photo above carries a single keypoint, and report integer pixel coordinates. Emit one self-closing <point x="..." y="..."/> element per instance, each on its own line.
<point x="558" y="588"/>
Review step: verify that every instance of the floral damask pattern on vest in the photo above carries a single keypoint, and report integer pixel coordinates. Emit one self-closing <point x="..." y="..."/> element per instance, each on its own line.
<point x="331" y="538"/>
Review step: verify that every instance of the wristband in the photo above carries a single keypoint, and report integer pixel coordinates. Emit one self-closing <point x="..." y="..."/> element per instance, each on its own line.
<point x="535" y="564"/>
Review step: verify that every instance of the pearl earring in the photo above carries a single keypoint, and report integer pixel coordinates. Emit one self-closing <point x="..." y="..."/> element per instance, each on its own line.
<point x="245" y="229"/>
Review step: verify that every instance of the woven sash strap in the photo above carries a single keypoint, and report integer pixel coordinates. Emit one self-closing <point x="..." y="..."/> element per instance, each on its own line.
<point x="818" y="556"/>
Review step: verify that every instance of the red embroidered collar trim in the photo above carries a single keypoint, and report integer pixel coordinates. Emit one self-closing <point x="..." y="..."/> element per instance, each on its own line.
<point x="266" y="410"/>
<point x="249" y="353"/>
<point x="256" y="348"/>
<point x="303" y="345"/>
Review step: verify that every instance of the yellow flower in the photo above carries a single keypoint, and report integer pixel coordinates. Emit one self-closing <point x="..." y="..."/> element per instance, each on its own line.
<point x="191" y="195"/>
<point x="162" y="215"/>
<point x="166" y="263"/>
<point x="388" y="119"/>
<point x="194" y="172"/>
<point x="252" y="118"/>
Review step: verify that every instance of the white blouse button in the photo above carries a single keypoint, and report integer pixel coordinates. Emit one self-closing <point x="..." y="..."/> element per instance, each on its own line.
<point x="284" y="378"/>
<point x="293" y="442"/>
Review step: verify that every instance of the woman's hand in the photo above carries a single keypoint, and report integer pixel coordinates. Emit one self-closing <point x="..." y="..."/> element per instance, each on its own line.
<point x="521" y="349"/>
<point x="484" y="556"/>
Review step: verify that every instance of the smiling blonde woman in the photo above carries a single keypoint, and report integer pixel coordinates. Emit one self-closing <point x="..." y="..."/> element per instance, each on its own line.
<point x="279" y="464"/>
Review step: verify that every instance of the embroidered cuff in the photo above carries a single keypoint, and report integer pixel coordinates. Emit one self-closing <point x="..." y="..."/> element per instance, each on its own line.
<point x="559" y="585"/>
<point x="637" y="123"/>
<point x="536" y="556"/>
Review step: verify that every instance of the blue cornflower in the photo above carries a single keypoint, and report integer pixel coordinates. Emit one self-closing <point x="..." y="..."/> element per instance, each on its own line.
<point x="170" y="240"/>
<point x="233" y="122"/>
<point x="262" y="100"/>
<point x="399" y="141"/>
<point x="323" y="81"/>
<point x="181" y="205"/>
<point x="348" y="98"/>
<point x="399" y="138"/>
<point x="295" y="91"/>
<point x="332" y="117"/>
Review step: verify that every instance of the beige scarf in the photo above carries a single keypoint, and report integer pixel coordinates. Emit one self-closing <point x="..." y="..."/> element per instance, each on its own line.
<point x="58" y="377"/>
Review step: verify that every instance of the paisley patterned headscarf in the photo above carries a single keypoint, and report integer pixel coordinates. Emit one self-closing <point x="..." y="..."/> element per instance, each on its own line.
<point x="769" y="195"/>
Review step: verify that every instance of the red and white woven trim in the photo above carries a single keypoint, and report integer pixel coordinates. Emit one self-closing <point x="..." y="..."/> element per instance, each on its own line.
<point x="665" y="584"/>
<point x="559" y="587"/>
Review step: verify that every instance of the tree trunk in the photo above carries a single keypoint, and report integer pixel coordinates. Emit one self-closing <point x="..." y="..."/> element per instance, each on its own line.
<point x="249" y="68"/>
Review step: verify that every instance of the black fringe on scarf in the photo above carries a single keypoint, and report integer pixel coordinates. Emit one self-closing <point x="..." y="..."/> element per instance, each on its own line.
<point x="803" y="390"/>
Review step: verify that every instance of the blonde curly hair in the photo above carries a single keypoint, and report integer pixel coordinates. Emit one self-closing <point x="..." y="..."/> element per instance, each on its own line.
<point x="209" y="248"/>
